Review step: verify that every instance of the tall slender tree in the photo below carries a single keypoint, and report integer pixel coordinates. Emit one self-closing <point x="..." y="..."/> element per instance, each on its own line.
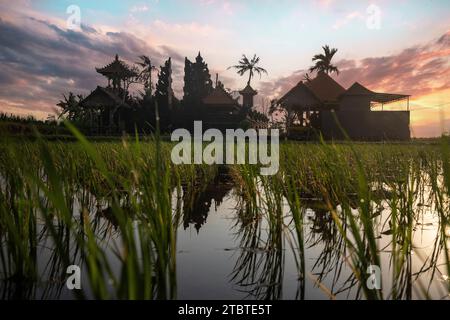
<point x="251" y="66"/>
<point x="323" y="61"/>
<point x="164" y="94"/>
<point x="145" y="74"/>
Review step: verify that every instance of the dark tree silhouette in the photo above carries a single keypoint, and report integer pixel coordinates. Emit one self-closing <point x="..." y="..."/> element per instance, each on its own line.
<point x="306" y="77"/>
<point x="245" y="65"/>
<point x="70" y="108"/>
<point x="255" y="115"/>
<point x="287" y="114"/>
<point x="164" y="94"/>
<point x="323" y="61"/>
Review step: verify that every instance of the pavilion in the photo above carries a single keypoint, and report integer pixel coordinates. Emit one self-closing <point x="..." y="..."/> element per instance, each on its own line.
<point x="108" y="106"/>
<point x="324" y="105"/>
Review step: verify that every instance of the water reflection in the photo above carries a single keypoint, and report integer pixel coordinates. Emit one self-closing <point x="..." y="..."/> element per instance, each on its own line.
<point x="197" y="201"/>
<point x="267" y="255"/>
<point x="259" y="267"/>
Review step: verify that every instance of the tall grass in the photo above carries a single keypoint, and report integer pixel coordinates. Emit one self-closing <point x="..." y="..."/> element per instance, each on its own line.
<point x="114" y="208"/>
<point x="59" y="194"/>
<point x="375" y="197"/>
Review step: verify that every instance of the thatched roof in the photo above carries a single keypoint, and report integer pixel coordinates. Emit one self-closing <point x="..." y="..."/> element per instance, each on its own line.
<point x="103" y="97"/>
<point x="219" y="97"/>
<point x="358" y="89"/>
<point x="319" y="91"/>
<point x="299" y="96"/>
<point x="325" y="88"/>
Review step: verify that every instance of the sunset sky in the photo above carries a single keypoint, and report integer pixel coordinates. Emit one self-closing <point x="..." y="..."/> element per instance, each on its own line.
<point x="41" y="58"/>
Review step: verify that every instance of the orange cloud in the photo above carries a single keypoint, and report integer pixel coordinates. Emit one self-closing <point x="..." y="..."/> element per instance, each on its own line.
<point x="422" y="71"/>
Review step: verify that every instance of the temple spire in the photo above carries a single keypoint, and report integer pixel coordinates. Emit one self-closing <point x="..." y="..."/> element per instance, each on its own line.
<point x="247" y="94"/>
<point x="117" y="71"/>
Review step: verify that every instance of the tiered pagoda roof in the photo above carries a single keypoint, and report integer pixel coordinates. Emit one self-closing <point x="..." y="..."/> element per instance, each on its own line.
<point x="117" y="68"/>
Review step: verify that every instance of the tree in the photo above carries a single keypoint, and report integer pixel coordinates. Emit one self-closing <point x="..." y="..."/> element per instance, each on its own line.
<point x="70" y="108"/>
<point x="307" y="78"/>
<point x="164" y="93"/>
<point x="145" y="75"/>
<point x="323" y="61"/>
<point x="245" y="65"/>
<point x="128" y="81"/>
<point x="258" y="116"/>
<point x="287" y="114"/>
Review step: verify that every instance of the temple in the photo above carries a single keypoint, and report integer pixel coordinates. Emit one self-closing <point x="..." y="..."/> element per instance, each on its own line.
<point x="108" y="107"/>
<point x="324" y="105"/>
<point x="247" y="96"/>
<point x="221" y="110"/>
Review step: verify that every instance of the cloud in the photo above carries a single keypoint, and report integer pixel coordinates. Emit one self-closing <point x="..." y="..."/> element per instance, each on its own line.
<point x="422" y="70"/>
<point x="139" y="8"/>
<point x="277" y="88"/>
<point x="41" y="61"/>
<point x="347" y="19"/>
<point x="324" y="3"/>
<point x="193" y="28"/>
<point x="417" y="70"/>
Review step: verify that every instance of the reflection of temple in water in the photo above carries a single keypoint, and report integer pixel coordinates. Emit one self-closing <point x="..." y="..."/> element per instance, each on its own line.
<point x="197" y="201"/>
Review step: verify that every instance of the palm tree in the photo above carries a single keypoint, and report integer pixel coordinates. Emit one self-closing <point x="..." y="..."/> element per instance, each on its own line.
<point x="146" y="73"/>
<point x="70" y="107"/>
<point x="250" y="66"/>
<point x="323" y="61"/>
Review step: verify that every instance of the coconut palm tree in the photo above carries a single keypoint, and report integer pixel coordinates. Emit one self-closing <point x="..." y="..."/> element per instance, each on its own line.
<point x="70" y="107"/>
<point x="146" y="73"/>
<point x="250" y="66"/>
<point x="323" y="61"/>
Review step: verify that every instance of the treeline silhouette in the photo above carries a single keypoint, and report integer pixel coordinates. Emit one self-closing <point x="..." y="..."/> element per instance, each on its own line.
<point x="155" y="106"/>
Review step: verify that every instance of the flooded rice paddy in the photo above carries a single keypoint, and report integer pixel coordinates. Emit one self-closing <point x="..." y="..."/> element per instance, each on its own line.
<point x="139" y="228"/>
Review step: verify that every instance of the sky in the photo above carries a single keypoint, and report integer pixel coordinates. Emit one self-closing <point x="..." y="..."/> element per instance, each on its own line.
<point x="388" y="46"/>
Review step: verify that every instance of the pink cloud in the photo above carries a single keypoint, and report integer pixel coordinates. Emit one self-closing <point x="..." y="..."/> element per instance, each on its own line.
<point x="416" y="70"/>
<point x="420" y="71"/>
<point x="355" y="15"/>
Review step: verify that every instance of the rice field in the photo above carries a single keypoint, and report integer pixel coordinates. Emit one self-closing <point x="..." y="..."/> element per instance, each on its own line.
<point x="140" y="227"/>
